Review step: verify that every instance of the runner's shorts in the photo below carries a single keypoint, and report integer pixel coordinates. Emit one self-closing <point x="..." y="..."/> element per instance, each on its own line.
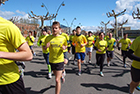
<point x="109" y="54"/>
<point x="89" y="49"/>
<point x="135" y="74"/>
<point x="57" y="66"/>
<point x="80" y="56"/>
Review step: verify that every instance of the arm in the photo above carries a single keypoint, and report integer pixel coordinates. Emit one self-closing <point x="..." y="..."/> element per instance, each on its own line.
<point x="132" y="56"/>
<point x="24" y="54"/>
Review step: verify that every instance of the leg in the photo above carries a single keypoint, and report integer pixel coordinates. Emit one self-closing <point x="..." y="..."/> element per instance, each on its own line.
<point x="133" y="85"/>
<point x="58" y="75"/>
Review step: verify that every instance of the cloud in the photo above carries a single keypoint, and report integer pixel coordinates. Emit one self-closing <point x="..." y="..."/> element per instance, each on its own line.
<point x="6" y="14"/>
<point x="20" y="12"/>
<point x="129" y="5"/>
<point x="89" y="28"/>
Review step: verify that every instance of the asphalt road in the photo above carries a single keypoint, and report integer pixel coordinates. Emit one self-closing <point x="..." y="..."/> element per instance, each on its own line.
<point x="115" y="81"/>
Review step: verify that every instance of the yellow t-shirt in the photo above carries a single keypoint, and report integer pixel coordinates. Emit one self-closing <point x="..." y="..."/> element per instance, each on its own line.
<point x="110" y="43"/>
<point x="90" y="41"/>
<point x="67" y="39"/>
<point x="78" y="40"/>
<point x="101" y="44"/>
<point x="125" y="43"/>
<point x="42" y="38"/>
<point x="136" y="48"/>
<point x="56" y="52"/>
<point x="10" y="39"/>
<point x="30" y="43"/>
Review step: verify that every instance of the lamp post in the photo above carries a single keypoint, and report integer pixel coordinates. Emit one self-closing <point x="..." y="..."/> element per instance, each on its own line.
<point x="62" y="4"/>
<point x="68" y="24"/>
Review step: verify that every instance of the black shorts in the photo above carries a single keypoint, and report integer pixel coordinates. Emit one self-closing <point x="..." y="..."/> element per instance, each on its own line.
<point x="13" y="88"/>
<point x="135" y="74"/>
<point x="109" y="54"/>
<point x="73" y="49"/>
<point x="57" y="66"/>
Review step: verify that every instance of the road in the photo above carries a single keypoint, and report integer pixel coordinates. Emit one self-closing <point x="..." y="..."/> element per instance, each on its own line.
<point x="115" y="81"/>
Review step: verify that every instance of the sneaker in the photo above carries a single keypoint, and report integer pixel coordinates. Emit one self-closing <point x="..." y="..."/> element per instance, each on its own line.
<point x="79" y="73"/>
<point x="63" y="79"/>
<point x="101" y="73"/>
<point x="23" y="65"/>
<point x="124" y="65"/>
<point x="49" y="75"/>
<point x="138" y="87"/>
<point x="108" y="64"/>
<point x="34" y="54"/>
<point x="64" y="73"/>
<point x="89" y="61"/>
<point x="22" y="72"/>
<point x="74" y="62"/>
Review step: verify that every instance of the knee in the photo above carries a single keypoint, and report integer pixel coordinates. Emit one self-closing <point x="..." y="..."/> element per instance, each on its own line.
<point x="57" y="80"/>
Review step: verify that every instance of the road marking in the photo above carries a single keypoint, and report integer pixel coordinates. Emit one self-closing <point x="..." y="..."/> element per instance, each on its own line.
<point x="70" y="57"/>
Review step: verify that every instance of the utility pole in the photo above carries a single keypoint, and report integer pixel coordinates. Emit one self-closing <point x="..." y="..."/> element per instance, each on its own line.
<point x="113" y="14"/>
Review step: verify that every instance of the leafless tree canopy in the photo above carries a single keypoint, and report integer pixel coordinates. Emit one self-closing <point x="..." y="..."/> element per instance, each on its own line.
<point x="136" y="15"/>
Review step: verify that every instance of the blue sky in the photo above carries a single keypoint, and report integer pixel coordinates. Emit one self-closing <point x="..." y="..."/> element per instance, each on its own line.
<point x="89" y="13"/>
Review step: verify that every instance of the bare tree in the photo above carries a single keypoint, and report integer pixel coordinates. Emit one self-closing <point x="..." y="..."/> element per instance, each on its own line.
<point x="105" y="24"/>
<point x="136" y="15"/>
<point x="3" y="1"/>
<point x="42" y="18"/>
<point x="113" y="14"/>
<point x="14" y="19"/>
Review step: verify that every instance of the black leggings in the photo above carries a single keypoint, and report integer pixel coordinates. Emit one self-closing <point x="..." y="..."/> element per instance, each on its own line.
<point x="100" y="60"/>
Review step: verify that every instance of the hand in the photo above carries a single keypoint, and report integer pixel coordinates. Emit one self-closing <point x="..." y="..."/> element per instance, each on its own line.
<point x="74" y="44"/>
<point x="48" y="45"/>
<point x="119" y="48"/>
<point x="127" y="47"/>
<point x="99" y="50"/>
<point x="64" y="47"/>
<point x="82" y="45"/>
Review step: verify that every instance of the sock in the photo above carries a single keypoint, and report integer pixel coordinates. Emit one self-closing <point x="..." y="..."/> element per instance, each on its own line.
<point x="49" y="68"/>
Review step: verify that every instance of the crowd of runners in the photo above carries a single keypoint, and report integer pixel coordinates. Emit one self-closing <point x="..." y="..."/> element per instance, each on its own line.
<point x="14" y="48"/>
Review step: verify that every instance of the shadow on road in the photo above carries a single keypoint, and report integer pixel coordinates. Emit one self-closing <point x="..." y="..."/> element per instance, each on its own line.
<point x="29" y="91"/>
<point x="99" y="87"/>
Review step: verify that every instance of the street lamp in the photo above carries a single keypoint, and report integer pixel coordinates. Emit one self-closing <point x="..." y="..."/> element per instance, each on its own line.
<point x="62" y="4"/>
<point x="68" y="24"/>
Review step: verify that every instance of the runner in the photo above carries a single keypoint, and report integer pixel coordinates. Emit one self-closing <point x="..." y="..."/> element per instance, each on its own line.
<point x="11" y="39"/>
<point x="135" y="67"/>
<point x="79" y="41"/>
<point x="45" y="52"/>
<point x="111" y="44"/>
<point x="73" y="47"/>
<point x="89" y="46"/>
<point x="56" y="44"/>
<point x="100" y="46"/>
<point x="125" y="43"/>
<point x="30" y="40"/>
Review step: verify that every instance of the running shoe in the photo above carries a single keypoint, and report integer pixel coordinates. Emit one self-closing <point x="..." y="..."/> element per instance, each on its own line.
<point x="108" y="64"/>
<point x="79" y="73"/>
<point x="124" y="65"/>
<point x="89" y="61"/>
<point x="63" y="79"/>
<point x="64" y="73"/>
<point x="23" y="65"/>
<point x="22" y="72"/>
<point x="138" y="87"/>
<point x="49" y="75"/>
<point x="34" y="54"/>
<point x="74" y="62"/>
<point x="101" y="73"/>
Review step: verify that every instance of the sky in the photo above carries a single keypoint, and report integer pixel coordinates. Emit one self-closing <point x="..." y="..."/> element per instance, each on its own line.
<point x="88" y="13"/>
